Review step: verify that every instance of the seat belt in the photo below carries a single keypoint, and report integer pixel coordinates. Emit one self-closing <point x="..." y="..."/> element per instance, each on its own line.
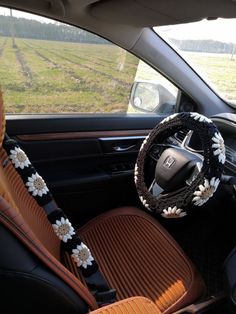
<point x="70" y="241"/>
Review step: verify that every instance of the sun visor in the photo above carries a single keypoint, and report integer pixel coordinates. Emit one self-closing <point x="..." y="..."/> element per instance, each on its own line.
<point x="160" y="12"/>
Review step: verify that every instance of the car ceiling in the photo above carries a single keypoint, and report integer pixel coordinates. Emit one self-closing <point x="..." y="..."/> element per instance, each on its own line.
<point x="160" y="12"/>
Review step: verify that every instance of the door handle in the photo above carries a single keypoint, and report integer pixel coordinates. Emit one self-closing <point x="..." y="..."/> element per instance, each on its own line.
<point x="123" y="148"/>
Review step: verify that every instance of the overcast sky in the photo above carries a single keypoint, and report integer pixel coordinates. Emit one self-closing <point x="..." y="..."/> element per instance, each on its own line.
<point x="220" y="29"/>
<point x="5" y="11"/>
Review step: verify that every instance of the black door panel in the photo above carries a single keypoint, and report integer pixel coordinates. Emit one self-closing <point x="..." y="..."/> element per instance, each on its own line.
<point x="43" y="151"/>
<point x="37" y="124"/>
<point x="120" y="145"/>
<point x="87" y="162"/>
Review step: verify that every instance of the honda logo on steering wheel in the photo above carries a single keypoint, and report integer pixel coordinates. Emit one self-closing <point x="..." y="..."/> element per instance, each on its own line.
<point x="169" y="161"/>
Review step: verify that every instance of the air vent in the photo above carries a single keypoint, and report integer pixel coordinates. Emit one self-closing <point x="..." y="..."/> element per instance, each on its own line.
<point x="180" y="136"/>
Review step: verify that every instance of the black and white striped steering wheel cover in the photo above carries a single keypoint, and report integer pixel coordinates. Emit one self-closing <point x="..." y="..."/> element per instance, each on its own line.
<point x="175" y="204"/>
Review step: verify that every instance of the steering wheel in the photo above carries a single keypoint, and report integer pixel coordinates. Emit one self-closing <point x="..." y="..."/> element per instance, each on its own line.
<point x="181" y="176"/>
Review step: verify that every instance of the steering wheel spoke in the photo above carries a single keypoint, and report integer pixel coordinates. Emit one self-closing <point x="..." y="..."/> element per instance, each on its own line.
<point x="195" y="173"/>
<point x="155" y="189"/>
<point x="157" y="149"/>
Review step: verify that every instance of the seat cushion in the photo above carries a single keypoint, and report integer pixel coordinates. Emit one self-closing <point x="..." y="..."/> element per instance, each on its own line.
<point x="136" y="305"/>
<point x="139" y="258"/>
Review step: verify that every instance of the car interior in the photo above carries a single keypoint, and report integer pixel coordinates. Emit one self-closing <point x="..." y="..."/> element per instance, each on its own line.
<point x="112" y="180"/>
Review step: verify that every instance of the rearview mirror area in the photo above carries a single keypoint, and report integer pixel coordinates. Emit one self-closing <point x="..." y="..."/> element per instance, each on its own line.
<point x="149" y="97"/>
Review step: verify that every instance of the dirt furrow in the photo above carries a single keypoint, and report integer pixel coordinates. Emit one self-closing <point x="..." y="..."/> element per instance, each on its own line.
<point x="109" y="76"/>
<point x="25" y="69"/>
<point x="85" y="59"/>
<point x="120" y="82"/>
<point x="55" y="65"/>
<point x="2" y="47"/>
<point x="70" y="73"/>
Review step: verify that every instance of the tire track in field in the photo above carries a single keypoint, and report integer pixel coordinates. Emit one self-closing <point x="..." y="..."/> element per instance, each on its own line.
<point x="103" y="60"/>
<point x="72" y="75"/>
<point x="109" y="76"/>
<point x="2" y="47"/>
<point x="78" y="56"/>
<point x="128" y="63"/>
<point x="83" y="58"/>
<point x="55" y="65"/>
<point x="25" y="69"/>
<point x="105" y="63"/>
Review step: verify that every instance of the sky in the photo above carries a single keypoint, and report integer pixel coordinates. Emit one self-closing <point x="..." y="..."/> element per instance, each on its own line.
<point x="5" y="11"/>
<point x="220" y="29"/>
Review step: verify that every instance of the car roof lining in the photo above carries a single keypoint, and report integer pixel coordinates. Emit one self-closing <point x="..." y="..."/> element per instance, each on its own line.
<point x="148" y="13"/>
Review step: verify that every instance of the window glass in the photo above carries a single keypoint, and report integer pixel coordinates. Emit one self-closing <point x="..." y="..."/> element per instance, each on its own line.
<point x="209" y="46"/>
<point x="50" y="67"/>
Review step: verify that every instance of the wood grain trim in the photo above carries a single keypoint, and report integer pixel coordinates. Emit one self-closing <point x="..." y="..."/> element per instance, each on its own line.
<point x="80" y="135"/>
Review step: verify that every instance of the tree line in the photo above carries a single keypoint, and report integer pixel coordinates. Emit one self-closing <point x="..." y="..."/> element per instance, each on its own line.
<point x="210" y="46"/>
<point x="24" y="28"/>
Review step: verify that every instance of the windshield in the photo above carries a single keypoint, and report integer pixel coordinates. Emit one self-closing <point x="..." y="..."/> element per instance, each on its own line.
<point x="209" y="46"/>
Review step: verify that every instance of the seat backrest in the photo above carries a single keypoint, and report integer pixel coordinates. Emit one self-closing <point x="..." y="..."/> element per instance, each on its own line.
<point x="38" y="260"/>
<point x="13" y="190"/>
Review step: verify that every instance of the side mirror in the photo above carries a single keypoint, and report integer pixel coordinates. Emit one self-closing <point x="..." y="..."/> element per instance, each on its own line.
<point x="151" y="97"/>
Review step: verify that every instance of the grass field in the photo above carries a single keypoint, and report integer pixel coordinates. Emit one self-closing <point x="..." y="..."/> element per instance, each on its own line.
<point x="49" y="77"/>
<point x="219" y="69"/>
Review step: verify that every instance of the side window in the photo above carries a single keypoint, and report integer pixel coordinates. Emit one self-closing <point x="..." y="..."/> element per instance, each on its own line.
<point x="50" y="67"/>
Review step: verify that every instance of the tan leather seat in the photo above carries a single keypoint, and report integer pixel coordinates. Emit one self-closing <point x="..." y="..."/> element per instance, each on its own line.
<point x="145" y="259"/>
<point x="135" y="305"/>
<point x="137" y="256"/>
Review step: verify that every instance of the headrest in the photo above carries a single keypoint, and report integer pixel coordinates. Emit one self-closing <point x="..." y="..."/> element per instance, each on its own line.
<point x="2" y="120"/>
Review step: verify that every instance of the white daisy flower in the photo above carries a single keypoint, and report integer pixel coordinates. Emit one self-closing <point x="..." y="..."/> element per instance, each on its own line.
<point x="36" y="185"/>
<point x="199" y="117"/>
<point x="135" y="173"/>
<point x="82" y="256"/>
<point x="167" y="119"/>
<point x="144" y="202"/>
<point x="205" y="191"/>
<point x="63" y="229"/>
<point x="136" y="169"/>
<point x="173" y="212"/>
<point x="19" y="158"/>
<point x="219" y="147"/>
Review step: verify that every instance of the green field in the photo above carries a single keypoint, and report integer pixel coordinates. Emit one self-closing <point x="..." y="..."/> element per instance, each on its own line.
<point x="46" y="76"/>
<point x="39" y="76"/>
<point x="219" y="69"/>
